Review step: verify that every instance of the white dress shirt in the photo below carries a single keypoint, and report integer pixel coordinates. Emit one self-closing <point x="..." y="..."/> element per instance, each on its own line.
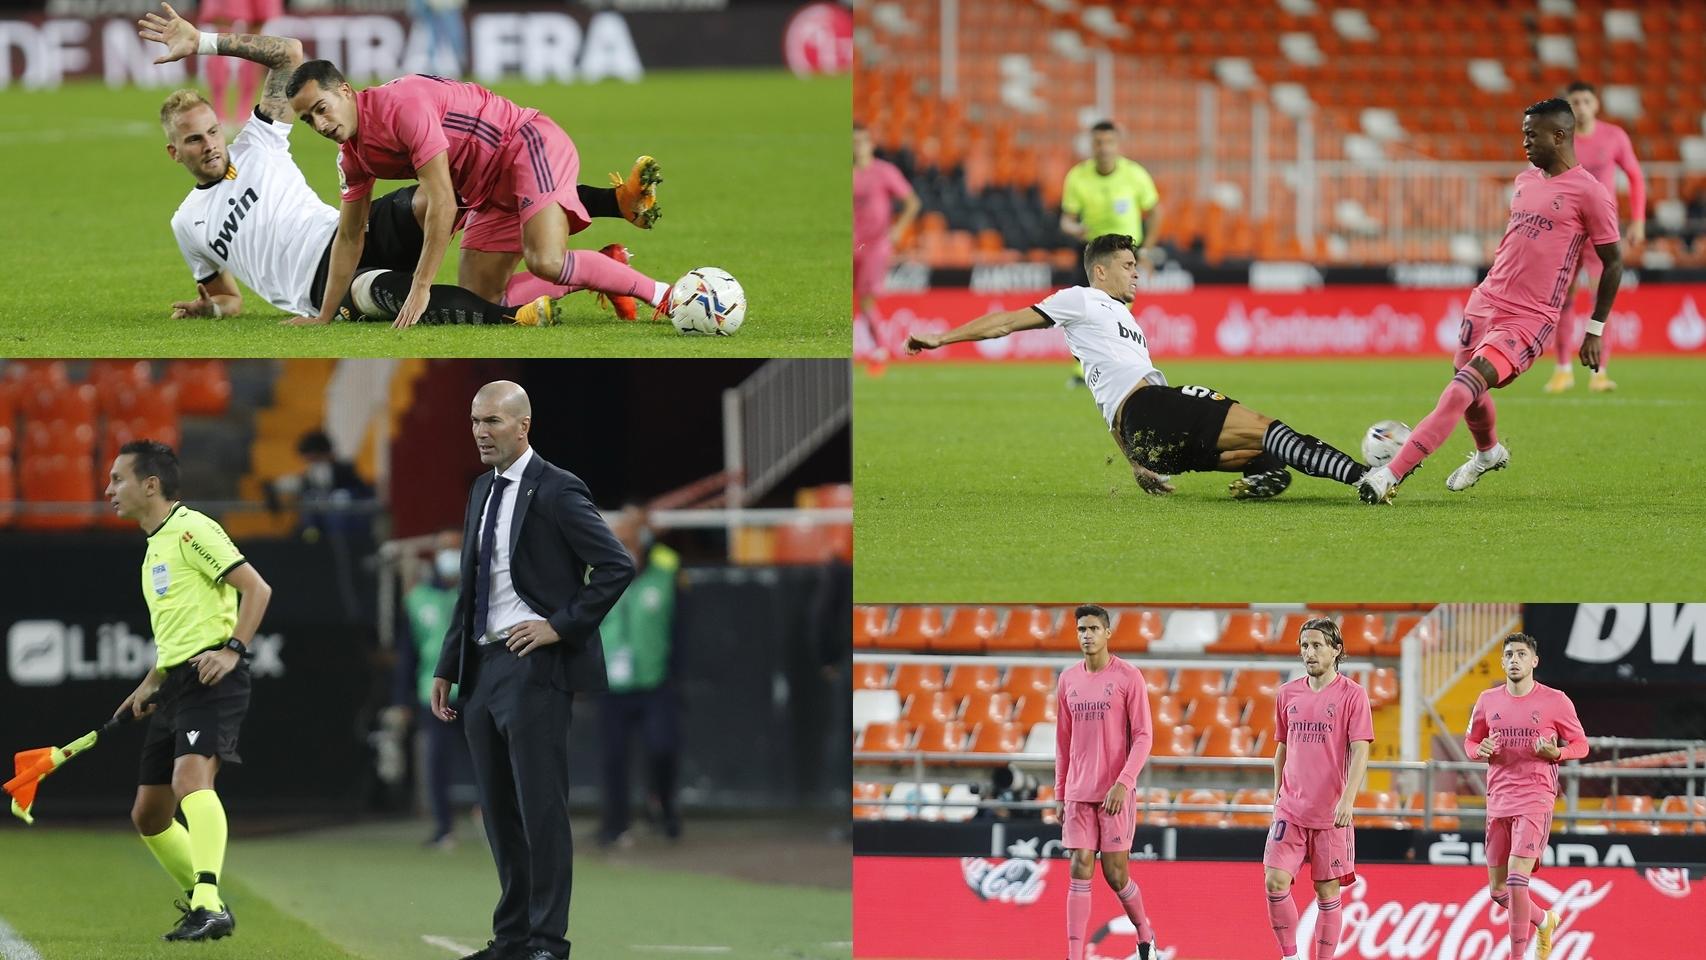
<point x="504" y="609"/>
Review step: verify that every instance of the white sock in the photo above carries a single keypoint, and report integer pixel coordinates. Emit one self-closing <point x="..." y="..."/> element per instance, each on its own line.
<point x="1566" y="368"/>
<point x="1488" y="456"/>
<point x="661" y="293"/>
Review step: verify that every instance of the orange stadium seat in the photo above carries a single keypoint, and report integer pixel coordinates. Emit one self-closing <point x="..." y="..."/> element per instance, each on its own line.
<point x="1379" y="800"/>
<point x="1034" y="710"/>
<point x="915" y="628"/>
<point x="1045" y="794"/>
<point x="203" y="386"/>
<point x="865" y="790"/>
<point x="1166" y="710"/>
<point x="1134" y="631"/>
<point x="983" y="706"/>
<point x="1695" y="806"/>
<point x="911" y="679"/>
<point x="1284" y="641"/>
<point x="998" y="738"/>
<point x="1250" y="683"/>
<point x="1252" y="797"/>
<point x="1194" y="682"/>
<point x="968" y="678"/>
<point x="968" y="630"/>
<point x="941" y="736"/>
<point x="1211" y="711"/>
<point x="1026" y="681"/>
<point x="8" y="489"/>
<point x="925" y="707"/>
<point x="1143" y="797"/>
<point x="1630" y="804"/>
<point x="1443" y="800"/>
<point x="1175" y="741"/>
<point x="870" y="625"/>
<point x="870" y="676"/>
<point x="1244" y="633"/>
<point x="1202" y="818"/>
<point x="1382" y="685"/>
<point x="1223" y="741"/>
<point x="1362" y="631"/>
<point x="886" y="737"/>
<point x="57" y="478"/>
<point x="1026" y="629"/>
<point x="1156" y="678"/>
<point x="1259" y="717"/>
<point x="1401" y="627"/>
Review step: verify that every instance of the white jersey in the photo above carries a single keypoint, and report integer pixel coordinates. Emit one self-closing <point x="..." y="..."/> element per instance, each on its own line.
<point x="1104" y="337"/>
<point x="261" y="222"/>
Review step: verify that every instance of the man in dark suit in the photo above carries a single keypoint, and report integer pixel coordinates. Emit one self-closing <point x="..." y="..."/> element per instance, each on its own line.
<point x="539" y="571"/>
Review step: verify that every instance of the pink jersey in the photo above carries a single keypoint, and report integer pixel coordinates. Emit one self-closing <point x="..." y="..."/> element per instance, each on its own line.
<point x="1102" y="732"/>
<point x="875" y="189"/>
<point x="1518" y="780"/>
<point x="1552" y="220"/>
<point x="403" y="124"/>
<point x="1602" y="152"/>
<point x="1317" y="729"/>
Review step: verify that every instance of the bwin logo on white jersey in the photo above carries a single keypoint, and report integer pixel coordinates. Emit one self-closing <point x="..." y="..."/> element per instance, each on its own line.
<point x="228" y="229"/>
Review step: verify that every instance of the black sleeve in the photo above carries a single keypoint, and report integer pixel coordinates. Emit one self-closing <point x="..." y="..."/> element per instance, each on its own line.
<point x="609" y="567"/>
<point x="1045" y="316"/>
<point x="450" y="655"/>
<point x="209" y="278"/>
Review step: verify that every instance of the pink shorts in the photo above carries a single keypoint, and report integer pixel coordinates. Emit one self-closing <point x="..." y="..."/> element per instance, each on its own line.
<point x="1331" y="853"/>
<point x="870" y="267"/>
<point x="539" y="165"/>
<point x="1519" y="836"/>
<point x="1510" y="343"/>
<point x="1086" y="827"/>
<point x="251" y="12"/>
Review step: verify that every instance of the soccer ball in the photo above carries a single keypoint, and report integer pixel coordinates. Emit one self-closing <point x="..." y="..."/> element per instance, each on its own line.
<point x="707" y="300"/>
<point x="1383" y="441"/>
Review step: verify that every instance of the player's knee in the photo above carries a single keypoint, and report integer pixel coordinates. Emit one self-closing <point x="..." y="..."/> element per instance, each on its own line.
<point x="543" y="262"/>
<point x="1115" y="875"/>
<point x="187" y="781"/>
<point x="1278" y="882"/>
<point x="1484" y="367"/>
<point x="148" y="818"/>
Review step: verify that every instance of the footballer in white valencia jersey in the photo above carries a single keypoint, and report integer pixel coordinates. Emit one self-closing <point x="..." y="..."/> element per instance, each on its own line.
<point x="260" y="221"/>
<point x="1162" y="430"/>
<point x="1103" y="336"/>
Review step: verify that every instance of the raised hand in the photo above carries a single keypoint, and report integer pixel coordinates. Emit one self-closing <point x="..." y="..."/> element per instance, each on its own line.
<point x="177" y="34"/>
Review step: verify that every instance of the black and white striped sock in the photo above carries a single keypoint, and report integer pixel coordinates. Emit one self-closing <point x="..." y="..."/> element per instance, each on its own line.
<point x="1311" y="455"/>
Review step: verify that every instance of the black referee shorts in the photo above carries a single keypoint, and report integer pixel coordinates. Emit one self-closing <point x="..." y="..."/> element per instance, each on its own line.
<point x="394" y="240"/>
<point x="194" y="719"/>
<point x="1175" y="429"/>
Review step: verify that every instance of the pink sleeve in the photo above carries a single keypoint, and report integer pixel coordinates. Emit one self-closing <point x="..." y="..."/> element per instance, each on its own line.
<point x="1477" y="731"/>
<point x="417" y="128"/>
<point x="1062" y="739"/>
<point x="1137" y="711"/>
<point x="1279" y="718"/>
<point x="1570" y="732"/>
<point x="895" y="182"/>
<point x="1599" y="213"/>
<point x="1631" y="167"/>
<point x="1360" y="724"/>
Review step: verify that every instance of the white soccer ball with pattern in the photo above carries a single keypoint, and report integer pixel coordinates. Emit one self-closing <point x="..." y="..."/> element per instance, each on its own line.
<point x="707" y="300"/>
<point x="1383" y="441"/>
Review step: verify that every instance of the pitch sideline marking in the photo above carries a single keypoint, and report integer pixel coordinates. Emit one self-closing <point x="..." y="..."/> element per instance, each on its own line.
<point x="446" y="943"/>
<point x="13" y="946"/>
<point x="678" y="948"/>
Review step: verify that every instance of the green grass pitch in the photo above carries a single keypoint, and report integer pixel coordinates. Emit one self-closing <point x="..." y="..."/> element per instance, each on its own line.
<point x="992" y="483"/>
<point x="372" y="893"/>
<point x="756" y="181"/>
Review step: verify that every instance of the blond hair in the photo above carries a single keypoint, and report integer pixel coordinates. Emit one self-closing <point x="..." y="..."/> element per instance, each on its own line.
<point x="177" y="103"/>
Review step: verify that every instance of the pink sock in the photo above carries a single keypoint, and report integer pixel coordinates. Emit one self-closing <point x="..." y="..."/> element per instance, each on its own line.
<point x="525" y="288"/>
<point x="217" y="72"/>
<point x="1463" y="389"/>
<point x="1482" y="419"/>
<point x="1131" y="899"/>
<point x="1564" y="334"/>
<point x="1521" y="914"/>
<point x="1077" y="918"/>
<point x="1327" y="925"/>
<point x="1283" y="912"/>
<point x="588" y="270"/>
<point x="1535" y="912"/>
<point x="248" y="81"/>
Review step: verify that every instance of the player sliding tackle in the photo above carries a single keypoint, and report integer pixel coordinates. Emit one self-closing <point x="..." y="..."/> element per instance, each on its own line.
<point x="1557" y="207"/>
<point x="252" y="217"/>
<point x="502" y="173"/>
<point x="1160" y="429"/>
<point x="1523" y="729"/>
<point x="1324" y="730"/>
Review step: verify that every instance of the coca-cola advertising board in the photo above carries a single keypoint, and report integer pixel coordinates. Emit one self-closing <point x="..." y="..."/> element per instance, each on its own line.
<point x="1237" y="322"/>
<point x="980" y="908"/>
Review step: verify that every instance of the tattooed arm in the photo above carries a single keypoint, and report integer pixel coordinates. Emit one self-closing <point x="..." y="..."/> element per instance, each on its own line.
<point x="282" y="54"/>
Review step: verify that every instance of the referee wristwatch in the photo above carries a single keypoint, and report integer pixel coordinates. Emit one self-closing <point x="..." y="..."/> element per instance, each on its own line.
<point x="243" y="652"/>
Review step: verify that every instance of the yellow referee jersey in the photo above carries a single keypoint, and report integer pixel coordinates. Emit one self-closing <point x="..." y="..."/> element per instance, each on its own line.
<point x="190" y="605"/>
<point x="1114" y="203"/>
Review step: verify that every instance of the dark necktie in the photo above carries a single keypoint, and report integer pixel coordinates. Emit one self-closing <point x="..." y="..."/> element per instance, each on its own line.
<point x="483" y="576"/>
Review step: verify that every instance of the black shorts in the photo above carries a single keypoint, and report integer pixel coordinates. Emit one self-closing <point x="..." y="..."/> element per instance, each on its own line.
<point x="194" y="719"/>
<point x="394" y="240"/>
<point x="1175" y="429"/>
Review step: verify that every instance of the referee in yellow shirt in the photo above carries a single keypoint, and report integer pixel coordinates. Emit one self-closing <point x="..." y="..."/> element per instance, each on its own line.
<point x="1110" y="194"/>
<point x="191" y="576"/>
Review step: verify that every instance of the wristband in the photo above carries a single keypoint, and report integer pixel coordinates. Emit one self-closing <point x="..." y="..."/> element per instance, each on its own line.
<point x="1596" y="327"/>
<point x="241" y="648"/>
<point x="207" y="44"/>
<point x="216" y="311"/>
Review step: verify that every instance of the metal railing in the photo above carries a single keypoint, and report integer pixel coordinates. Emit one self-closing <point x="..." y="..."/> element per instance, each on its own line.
<point x="777" y="417"/>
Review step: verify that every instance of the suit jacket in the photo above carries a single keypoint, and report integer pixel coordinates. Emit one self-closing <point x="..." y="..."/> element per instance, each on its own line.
<point x="564" y="562"/>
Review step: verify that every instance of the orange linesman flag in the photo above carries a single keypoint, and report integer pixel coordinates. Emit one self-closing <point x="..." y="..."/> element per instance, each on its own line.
<point x="32" y="765"/>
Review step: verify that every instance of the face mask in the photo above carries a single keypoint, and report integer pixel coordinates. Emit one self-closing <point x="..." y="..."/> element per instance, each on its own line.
<point x="448" y="564"/>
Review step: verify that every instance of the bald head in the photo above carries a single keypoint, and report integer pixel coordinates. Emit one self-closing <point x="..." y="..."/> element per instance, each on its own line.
<point x="501" y="417"/>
